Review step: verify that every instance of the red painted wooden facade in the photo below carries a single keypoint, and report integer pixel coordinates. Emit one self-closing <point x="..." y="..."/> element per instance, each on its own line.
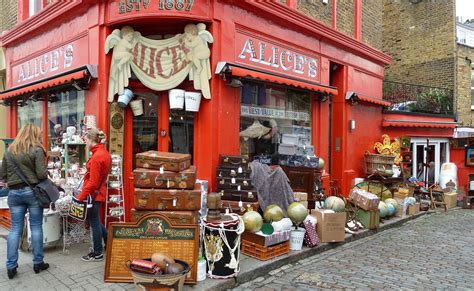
<point x="343" y="62"/>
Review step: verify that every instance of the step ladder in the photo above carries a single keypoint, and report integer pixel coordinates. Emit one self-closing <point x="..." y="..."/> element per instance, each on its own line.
<point x="437" y="197"/>
<point x="115" y="202"/>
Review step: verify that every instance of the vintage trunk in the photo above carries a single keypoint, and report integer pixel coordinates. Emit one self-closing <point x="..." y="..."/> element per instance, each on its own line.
<point x="234" y="206"/>
<point x="148" y="178"/>
<point x="156" y="199"/>
<point x="169" y="161"/>
<point x="176" y="217"/>
<point x="234" y="162"/>
<point x="233" y="173"/>
<point x="234" y="183"/>
<point x="245" y="196"/>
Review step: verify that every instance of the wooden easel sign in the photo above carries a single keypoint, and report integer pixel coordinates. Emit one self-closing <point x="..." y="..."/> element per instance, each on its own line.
<point x="150" y="234"/>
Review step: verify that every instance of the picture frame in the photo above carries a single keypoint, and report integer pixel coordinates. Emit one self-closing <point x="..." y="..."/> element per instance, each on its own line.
<point x="469" y="156"/>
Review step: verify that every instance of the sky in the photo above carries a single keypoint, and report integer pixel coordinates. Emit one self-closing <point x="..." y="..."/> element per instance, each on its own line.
<point x="465" y="9"/>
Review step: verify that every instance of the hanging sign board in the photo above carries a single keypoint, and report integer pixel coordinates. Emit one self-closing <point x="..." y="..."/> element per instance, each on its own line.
<point x="150" y="234"/>
<point x="269" y="55"/>
<point x="116" y="129"/>
<point x="160" y="64"/>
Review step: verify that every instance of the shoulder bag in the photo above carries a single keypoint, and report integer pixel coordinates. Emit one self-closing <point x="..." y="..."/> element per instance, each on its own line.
<point x="78" y="209"/>
<point x="45" y="191"/>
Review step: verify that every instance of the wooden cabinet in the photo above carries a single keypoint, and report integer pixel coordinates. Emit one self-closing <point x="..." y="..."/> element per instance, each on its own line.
<point x="305" y="180"/>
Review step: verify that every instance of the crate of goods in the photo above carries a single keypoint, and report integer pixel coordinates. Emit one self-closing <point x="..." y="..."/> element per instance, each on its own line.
<point x="175" y="217"/>
<point x="233" y="173"/>
<point x="238" y="207"/>
<point x="301" y="196"/>
<point x="160" y="199"/>
<point x="264" y="253"/>
<point x="234" y="183"/>
<point x="369" y="219"/>
<point x="150" y="178"/>
<point x="173" y="162"/>
<point x="236" y="195"/>
<point x="5" y="218"/>
<point x="266" y="240"/>
<point x="234" y="162"/>
<point x="364" y="199"/>
<point x="379" y="164"/>
<point x="451" y="199"/>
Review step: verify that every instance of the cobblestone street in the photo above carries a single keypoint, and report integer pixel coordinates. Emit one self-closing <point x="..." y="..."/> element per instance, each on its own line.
<point x="432" y="252"/>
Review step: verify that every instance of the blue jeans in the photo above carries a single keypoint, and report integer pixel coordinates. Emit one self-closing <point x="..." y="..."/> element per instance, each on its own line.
<point x="20" y="200"/>
<point x="99" y="231"/>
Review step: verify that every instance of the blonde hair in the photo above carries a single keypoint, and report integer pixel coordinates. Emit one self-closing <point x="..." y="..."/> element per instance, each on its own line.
<point x="27" y="138"/>
<point x="95" y="135"/>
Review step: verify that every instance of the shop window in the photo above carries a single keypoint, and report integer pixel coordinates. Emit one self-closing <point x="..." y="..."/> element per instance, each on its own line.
<point x="35" y="6"/>
<point x="268" y="113"/>
<point x="30" y="111"/>
<point x="181" y="131"/>
<point x="66" y="110"/>
<point x="145" y="127"/>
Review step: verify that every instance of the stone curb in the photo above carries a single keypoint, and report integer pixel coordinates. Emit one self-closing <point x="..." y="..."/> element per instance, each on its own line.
<point x="305" y="253"/>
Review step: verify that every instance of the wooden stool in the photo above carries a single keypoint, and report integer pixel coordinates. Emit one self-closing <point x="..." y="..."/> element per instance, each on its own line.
<point x="440" y="194"/>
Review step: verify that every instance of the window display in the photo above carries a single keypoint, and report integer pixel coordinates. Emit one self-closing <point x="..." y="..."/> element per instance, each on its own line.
<point x="30" y="112"/>
<point x="275" y="123"/>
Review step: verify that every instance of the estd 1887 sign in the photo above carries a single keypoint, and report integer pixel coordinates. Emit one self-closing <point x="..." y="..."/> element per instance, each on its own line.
<point x="131" y="5"/>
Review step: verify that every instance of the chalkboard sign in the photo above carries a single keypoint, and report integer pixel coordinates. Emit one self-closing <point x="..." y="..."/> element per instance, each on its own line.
<point x="152" y="233"/>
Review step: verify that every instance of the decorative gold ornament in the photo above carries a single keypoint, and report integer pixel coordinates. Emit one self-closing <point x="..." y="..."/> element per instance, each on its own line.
<point x="389" y="148"/>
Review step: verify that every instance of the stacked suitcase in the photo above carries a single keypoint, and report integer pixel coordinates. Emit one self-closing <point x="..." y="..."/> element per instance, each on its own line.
<point x="234" y="184"/>
<point x="166" y="182"/>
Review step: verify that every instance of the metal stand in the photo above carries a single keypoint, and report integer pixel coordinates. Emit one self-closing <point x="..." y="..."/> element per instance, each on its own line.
<point x="115" y="202"/>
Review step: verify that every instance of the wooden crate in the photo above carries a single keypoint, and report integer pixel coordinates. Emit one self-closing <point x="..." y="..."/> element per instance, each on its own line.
<point x="264" y="253"/>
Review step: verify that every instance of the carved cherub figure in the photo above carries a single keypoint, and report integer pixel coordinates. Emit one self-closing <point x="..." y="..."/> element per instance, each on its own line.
<point x="196" y="38"/>
<point x="122" y="42"/>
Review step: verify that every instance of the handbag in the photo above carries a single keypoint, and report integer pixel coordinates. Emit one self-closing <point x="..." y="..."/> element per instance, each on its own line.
<point x="45" y="191"/>
<point x="78" y="209"/>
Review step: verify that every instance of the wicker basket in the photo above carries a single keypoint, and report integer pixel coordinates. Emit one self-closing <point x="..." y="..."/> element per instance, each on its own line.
<point x="379" y="164"/>
<point x="147" y="281"/>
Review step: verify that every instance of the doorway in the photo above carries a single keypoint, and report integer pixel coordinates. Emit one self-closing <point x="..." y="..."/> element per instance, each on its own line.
<point x="428" y="155"/>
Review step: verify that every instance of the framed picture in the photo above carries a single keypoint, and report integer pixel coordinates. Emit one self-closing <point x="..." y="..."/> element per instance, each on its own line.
<point x="470" y="156"/>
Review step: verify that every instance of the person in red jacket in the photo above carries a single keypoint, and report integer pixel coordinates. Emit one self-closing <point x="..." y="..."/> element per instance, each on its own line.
<point x="98" y="167"/>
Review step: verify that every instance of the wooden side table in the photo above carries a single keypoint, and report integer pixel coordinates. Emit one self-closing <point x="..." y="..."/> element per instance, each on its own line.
<point x="305" y="180"/>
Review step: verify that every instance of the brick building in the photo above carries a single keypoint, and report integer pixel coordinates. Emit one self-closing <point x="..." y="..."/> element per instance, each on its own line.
<point x="8" y="17"/>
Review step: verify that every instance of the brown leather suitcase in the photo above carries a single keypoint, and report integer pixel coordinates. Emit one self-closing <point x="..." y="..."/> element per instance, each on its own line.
<point x="234" y="206"/>
<point x="176" y="217"/>
<point x="234" y="162"/>
<point x="233" y="173"/>
<point x="235" y="195"/>
<point x="149" y="178"/>
<point x="169" y="161"/>
<point x="234" y="183"/>
<point x="157" y="199"/>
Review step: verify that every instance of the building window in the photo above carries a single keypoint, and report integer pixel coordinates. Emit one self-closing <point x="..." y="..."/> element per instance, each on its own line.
<point x="472" y="89"/>
<point x="270" y="117"/>
<point x="35" y="6"/>
<point x="30" y="111"/>
<point x="67" y="110"/>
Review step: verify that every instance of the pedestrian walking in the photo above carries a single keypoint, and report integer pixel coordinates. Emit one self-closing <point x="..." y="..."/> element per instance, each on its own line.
<point x="98" y="167"/>
<point x="27" y="156"/>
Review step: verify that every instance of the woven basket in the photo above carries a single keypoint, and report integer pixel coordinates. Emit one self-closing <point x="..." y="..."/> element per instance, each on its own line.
<point x="379" y="164"/>
<point x="145" y="281"/>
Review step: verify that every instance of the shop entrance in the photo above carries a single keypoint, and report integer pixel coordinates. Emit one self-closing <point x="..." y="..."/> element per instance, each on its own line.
<point x="430" y="152"/>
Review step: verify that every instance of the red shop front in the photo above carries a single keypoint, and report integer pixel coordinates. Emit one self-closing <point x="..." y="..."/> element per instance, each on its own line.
<point x="268" y="64"/>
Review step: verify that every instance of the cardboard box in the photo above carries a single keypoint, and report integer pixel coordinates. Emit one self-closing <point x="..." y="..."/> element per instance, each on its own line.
<point x="399" y="210"/>
<point x="305" y="203"/>
<point x="451" y="199"/>
<point x="413" y="209"/>
<point x="330" y="226"/>
<point x="399" y="195"/>
<point x="369" y="219"/>
<point x="364" y="199"/>
<point x="301" y="196"/>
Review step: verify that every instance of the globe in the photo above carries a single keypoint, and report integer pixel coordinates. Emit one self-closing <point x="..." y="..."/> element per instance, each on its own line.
<point x="391" y="209"/>
<point x="392" y="201"/>
<point x="320" y="164"/>
<point x="297" y="212"/>
<point x="411" y="200"/>
<point x="253" y="221"/>
<point x="335" y="203"/>
<point x="383" y="209"/>
<point x="273" y="213"/>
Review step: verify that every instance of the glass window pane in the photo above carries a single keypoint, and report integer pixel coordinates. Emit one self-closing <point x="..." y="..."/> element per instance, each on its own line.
<point x="145" y="127"/>
<point x="270" y="117"/>
<point x="181" y="131"/>
<point x="66" y="110"/>
<point x="30" y="111"/>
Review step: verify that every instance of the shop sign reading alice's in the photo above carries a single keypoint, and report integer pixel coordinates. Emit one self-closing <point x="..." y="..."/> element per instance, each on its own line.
<point x="267" y="55"/>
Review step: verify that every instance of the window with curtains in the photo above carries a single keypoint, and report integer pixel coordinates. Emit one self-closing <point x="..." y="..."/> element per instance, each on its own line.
<point x="275" y="122"/>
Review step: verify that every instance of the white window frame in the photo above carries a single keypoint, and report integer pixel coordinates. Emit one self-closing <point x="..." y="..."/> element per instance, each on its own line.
<point x="32" y="7"/>
<point x="421" y="141"/>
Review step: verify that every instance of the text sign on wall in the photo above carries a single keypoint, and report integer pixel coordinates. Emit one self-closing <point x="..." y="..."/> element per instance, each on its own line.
<point x="53" y="62"/>
<point x="270" y="56"/>
<point x="150" y="234"/>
